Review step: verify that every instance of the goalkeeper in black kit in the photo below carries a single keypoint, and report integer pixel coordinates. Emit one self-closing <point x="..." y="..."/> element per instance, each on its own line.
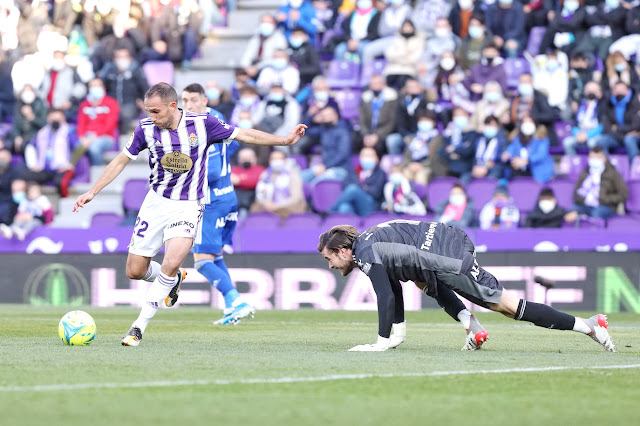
<point x="440" y="259"/>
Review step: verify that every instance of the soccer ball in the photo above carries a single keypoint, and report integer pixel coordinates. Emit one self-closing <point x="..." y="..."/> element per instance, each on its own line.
<point x="77" y="328"/>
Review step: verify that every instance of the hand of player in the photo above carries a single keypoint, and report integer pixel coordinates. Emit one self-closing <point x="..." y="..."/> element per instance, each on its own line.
<point x="399" y="334"/>
<point x="295" y="134"/>
<point x="380" y="346"/>
<point x="82" y="200"/>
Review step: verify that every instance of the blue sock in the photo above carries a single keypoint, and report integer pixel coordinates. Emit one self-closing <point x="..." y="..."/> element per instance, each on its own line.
<point x="220" y="279"/>
<point x="232" y="294"/>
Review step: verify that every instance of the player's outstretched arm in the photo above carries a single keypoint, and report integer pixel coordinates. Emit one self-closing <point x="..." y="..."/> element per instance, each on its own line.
<point x="115" y="167"/>
<point x="257" y="137"/>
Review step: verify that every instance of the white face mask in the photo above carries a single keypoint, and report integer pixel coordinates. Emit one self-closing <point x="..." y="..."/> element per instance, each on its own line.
<point x="447" y="63"/>
<point x="457" y="199"/>
<point x="276" y="165"/>
<point x="528" y="128"/>
<point x="123" y="64"/>
<point x="442" y="32"/>
<point x="547" y="206"/>
<point x="465" y="4"/>
<point x="28" y="97"/>
<point x="57" y="64"/>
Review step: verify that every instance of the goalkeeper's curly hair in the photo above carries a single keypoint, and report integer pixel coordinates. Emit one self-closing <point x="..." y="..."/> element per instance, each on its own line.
<point x="340" y="236"/>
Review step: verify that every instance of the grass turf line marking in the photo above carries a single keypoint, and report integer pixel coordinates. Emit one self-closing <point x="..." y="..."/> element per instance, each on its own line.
<point x="283" y="380"/>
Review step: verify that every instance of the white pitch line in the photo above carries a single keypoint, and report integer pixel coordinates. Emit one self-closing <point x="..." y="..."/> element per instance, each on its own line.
<point x="281" y="380"/>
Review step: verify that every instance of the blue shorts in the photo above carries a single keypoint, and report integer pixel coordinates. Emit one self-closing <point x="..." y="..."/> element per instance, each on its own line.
<point x="218" y="224"/>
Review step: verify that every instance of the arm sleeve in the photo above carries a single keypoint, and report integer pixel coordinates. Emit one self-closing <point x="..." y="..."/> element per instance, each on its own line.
<point x="136" y="144"/>
<point x="386" y="299"/>
<point x="218" y="130"/>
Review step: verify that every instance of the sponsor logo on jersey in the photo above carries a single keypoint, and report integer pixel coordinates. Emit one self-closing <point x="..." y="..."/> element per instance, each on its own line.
<point x="176" y="162"/>
<point x="130" y="141"/>
<point x="225" y="125"/>
<point x="181" y="223"/>
<point x="222" y="221"/>
<point x="158" y="143"/>
<point x="429" y="236"/>
<point x="193" y="139"/>
<point x="222" y="191"/>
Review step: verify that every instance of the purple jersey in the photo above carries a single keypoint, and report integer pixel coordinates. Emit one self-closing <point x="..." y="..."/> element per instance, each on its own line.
<point x="178" y="158"/>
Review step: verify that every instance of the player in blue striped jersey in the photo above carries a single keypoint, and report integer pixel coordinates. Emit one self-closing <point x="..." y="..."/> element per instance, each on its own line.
<point x="171" y="213"/>
<point x="220" y="216"/>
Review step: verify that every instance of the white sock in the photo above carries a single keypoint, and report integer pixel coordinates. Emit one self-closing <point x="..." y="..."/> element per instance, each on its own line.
<point x="237" y="302"/>
<point x="152" y="272"/>
<point x="581" y="326"/>
<point x="465" y="318"/>
<point x="156" y="294"/>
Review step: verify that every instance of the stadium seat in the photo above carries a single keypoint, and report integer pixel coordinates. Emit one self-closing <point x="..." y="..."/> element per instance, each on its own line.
<point x="106" y="220"/>
<point x="390" y="160"/>
<point x="563" y="190"/>
<point x="301" y="161"/>
<point x="371" y="68"/>
<point x="158" y="71"/>
<point x="349" y="102"/>
<point x="307" y="190"/>
<point x="524" y="192"/>
<point x="634" y="172"/>
<point x="83" y="171"/>
<point x="633" y="203"/>
<point x="623" y="223"/>
<point x="342" y="219"/>
<point x="586" y="222"/>
<point x="535" y="39"/>
<point x="133" y="194"/>
<point x="563" y="130"/>
<point x="377" y="218"/>
<point x="261" y="220"/>
<point x="343" y="74"/>
<point x="621" y="163"/>
<point x="419" y="189"/>
<point x="481" y="191"/>
<point x="303" y="221"/>
<point x="438" y="190"/>
<point x="325" y="193"/>
<point x="514" y="67"/>
<point x="572" y="166"/>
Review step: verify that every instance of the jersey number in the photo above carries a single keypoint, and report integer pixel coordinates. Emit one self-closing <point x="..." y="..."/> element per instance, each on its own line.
<point x="143" y="227"/>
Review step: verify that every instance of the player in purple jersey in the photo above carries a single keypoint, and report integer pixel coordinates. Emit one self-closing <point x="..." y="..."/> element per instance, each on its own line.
<point x="172" y="210"/>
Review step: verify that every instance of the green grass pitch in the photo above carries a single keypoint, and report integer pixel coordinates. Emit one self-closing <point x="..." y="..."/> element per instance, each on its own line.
<point x="293" y="368"/>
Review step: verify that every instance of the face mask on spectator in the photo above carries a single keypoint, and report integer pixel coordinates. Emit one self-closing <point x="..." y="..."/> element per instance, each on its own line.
<point x="528" y="128"/>
<point x="505" y="2"/>
<point x="488" y="60"/>
<point x="397" y="2"/>
<point x="500" y="203"/>
<point x="296" y="42"/>
<point x="57" y="64"/>
<point x="612" y="4"/>
<point x="123" y="64"/>
<point x="4" y="165"/>
<point x="266" y="29"/>
<point x="442" y="32"/>
<point x="276" y="96"/>
<point x="552" y="65"/>
<point x="376" y="93"/>
<point x="620" y="66"/>
<point x="425" y="125"/>
<point x="492" y="96"/>
<point x="619" y="97"/>
<point x="321" y="96"/>
<point x="247" y="101"/>
<point x="476" y="31"/>
<point x="246" y="164"/>
<point x="596" y="164"/>
<point x="277" y="165"/>
<point x="465" y="4"/>
<point x="96" y="92"/>
<point x="490" y="132"/>
<point x="407" y="34"/>
<point x="396" y="178"/>
<point x="295" y="3"/>
<point x="19" y="196"/>
<point x="367" y="163"/>
<point x="547" y="206"/>
<point x="457" y="199"/>
<point x="525" y="89"/>
<point x="55" y="125"/>
<point x="279" y="63"/>
<point x="245" y="123"/>
<point x="460" y="121"/>
<point x="28" y="96"/>
<point x="364" y="4"/>
<point x="213" y="93"/>
<point x="447" y="63"/>
<point x="571" y="5"/>
<point x="591" y="96"/>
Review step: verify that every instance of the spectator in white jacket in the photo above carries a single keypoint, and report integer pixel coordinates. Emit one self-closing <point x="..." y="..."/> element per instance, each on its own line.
<point x="263" y="45"/>
<point x="279" y="71"/>
<point x="551" y="76"/>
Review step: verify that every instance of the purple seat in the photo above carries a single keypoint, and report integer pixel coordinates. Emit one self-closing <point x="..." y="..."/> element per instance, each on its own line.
<point x="572" y="166"/>
<point x="419" y="189"/>
<point x="633" y="203"/>
<point x="390" y="160"/>
<point x="343" y="74"/>
<point x="623" y="223"/>
<point x="158" y="71"/>
<point x="315" y="159"/>
<point x="325" y="193"/>
<point x="335" y="219"/>
<point x="349" y="102"/>
<point x="524" y="192"/>
<point x="307" y="190"/>
<point x="586" y="222"/>
<point x="106" y="220"/>
<point x="377" y="218"/>
<point x="371" y="68"/>
<point x="262" y="220"/>
<point x="481" y="191"/>
<point x="514" y="67"/>
<point x="438" y="190"/>
<point x="303" y="221"/>
<point x="634" y="171"/>
<point x="563" y="130"/>
<point x="133" y="194"/>
<point x="301" y="161"/>
<point x="563" y="190"/>
<point x="621" y="163"/>
<point x="83" y="171"/>
<point x="535" y="39"/>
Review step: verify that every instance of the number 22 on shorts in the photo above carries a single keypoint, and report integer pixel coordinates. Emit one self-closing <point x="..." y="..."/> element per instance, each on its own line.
<point x="143" y="227"/>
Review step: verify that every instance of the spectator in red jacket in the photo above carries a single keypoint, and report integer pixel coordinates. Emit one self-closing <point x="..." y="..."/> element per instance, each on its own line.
<point x="97" y="123"/>
<point x="245" y="177"/>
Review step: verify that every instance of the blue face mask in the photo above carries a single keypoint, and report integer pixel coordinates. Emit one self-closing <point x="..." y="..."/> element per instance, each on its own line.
<point x="425" y="126"/>
<point x="460" y="121"/>
<point x="96" y="92"/>
<point x="492" y="96"/>
<point x="476" y="31"/>
<point x="296" y="42"/>
<point x="18" y="197"/>
<point x="321" y="96"/>
<point x="245" y="123"/>
<point x="620" y="67"/>
<point x="490" y="132"/>
<point x="367" y="163"/>
<point x="596" y="164"/>
<point x="276" y="97"/>
<point x="525" y="89"/>
<point x="612" y="4"/>
<point x="247" y="102"/>
<point x="571" y="5"/>
<point x="213" y="94"/>
<point x="266" y="29"/>
<point x="279" y="63"/>
<point x="552" y="65"/>
<point x="396" y="178"/>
